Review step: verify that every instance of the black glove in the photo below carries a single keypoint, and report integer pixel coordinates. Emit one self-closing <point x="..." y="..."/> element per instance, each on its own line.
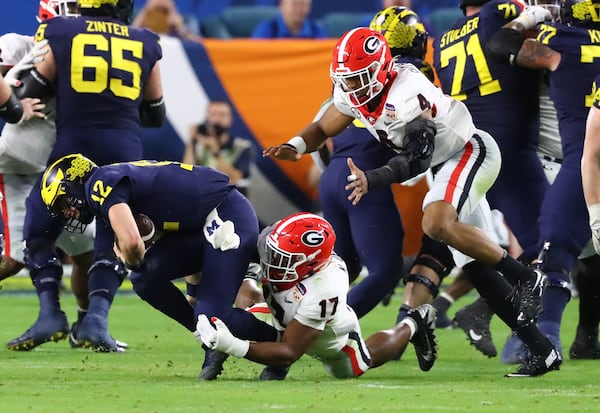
<point x="418" y="142"/>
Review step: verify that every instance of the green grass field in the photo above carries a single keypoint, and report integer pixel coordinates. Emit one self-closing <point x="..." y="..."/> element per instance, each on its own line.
<point x="158" y="373"/>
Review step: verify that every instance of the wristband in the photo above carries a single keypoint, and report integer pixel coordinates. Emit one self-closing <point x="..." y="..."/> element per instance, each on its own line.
<point x="298" y="143"/>
<point x="594" y="213"/>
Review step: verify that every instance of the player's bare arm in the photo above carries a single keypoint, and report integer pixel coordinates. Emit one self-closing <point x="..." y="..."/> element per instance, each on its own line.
<point x="296" y="340"/>
<point x="312" y="136"/>
<point x="129" y="245"/>
<point x="536" y="55"/>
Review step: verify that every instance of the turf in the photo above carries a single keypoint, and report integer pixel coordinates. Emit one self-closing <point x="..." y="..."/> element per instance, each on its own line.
<point x="158" y="373"/>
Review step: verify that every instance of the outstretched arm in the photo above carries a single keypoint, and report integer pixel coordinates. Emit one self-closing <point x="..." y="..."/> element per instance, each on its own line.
<point x="312" y="136"/>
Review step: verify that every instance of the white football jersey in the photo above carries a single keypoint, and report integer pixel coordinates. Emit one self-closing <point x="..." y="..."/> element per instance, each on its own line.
<point x="24" y="149"/>
<point x="318" y="302"/>
<point x="409" y="95"/>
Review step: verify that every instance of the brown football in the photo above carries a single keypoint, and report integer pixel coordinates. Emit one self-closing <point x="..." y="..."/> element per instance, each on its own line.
<point x="146" y="228"/>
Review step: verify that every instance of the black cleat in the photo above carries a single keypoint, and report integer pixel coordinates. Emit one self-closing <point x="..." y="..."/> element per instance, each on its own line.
<point x="92" y="333"/>
<point x="424" y="339"/>
<point x="48" y="327"/>
<point x="538" y="365"/>
<point x="527" y="296"/>
<point x="474" y="320"/>
<point x="585" y="346"/>
<point x="213" y="364"/>
<point x="274" y="373"/>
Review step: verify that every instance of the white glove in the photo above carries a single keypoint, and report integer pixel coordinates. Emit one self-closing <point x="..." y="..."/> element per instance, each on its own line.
<point x="532" y="16"/>
<point x="594" y="212"/>
<point x="219" y="337"/>
<point x="34" y="56"/>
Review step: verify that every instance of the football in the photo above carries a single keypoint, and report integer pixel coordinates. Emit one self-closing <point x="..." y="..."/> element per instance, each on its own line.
<point x="146" y="228"/>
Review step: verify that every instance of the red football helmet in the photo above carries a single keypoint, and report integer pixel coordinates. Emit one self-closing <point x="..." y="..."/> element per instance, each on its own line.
<point x="298" y="246"/>
<point x="361" y="64"/>
<point x="52" y="8"/>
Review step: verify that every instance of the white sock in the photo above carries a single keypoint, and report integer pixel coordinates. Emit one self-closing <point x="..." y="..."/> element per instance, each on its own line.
<point x="411" y="325"/>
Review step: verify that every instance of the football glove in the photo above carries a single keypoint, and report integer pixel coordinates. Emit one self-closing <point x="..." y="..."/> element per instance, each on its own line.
<point x="34" y="56"/>
<point x="532" y="16"/>
<point x="216" y="336"/>
<point x="594" y="213"/>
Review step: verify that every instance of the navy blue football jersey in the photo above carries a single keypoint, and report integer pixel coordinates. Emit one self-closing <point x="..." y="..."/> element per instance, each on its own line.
<point x="571" y="82"/>
<point x="596" y="92"/>
<point x="101" y="68"/>
<point x="176" y="196"/>
<point x="467" y="74"/>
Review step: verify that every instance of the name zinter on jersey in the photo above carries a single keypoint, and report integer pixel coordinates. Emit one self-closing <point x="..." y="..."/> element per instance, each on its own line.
<point x="107" y="27"/>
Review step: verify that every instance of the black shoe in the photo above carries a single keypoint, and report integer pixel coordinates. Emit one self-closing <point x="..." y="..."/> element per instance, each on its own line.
<point x="538" y="365"/>
<point x="213" y="364"/>
<point x="274" y="373"/>
<point x="48" y="327"/>
<point x="75" y="343"/>
<point x="424" y="339"/>
<point x="92" y="332"/>
<point x="527" y="296"/>
<point x="474" y="320"/>
<point x="441" y="306"/>
<point x="585" y="348"/>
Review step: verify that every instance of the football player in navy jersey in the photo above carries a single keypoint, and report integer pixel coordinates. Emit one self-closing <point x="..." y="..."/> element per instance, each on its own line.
<point x="106" y="77"/>
<point x="205" y="225"/>
<point x="567" y="51"/>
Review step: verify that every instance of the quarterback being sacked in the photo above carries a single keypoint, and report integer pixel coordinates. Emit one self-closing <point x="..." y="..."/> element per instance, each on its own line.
<point x="305" y="289"/>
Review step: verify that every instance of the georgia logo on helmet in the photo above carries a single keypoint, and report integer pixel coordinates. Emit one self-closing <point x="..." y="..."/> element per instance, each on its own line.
<point x="360" y="65"/>
<point x="299" y="246"/>
<point x="63" y="187"/>
<point x="51" y="8"/>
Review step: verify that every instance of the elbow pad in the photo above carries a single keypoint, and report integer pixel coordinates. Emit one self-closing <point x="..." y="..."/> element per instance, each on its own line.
<point x="152" y="113"/>
<point x="12" y="110"/>
<point x="35" y="85"/>
<point x="504" y="46"/>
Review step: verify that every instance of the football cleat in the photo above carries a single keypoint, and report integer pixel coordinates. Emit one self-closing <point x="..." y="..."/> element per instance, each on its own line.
<point x="527" y="297"/>
<point x="274" y="373"/>
<point x="441" y="313"/>
<point x="48" y="327"/>
<point x="92" y="333"/>
<point x="424" y="339"/>
<point x="75" y="343"/>
<point x="585" y="346"/>
<point x="537" y="365"/>
<point x="474" y="319"/>
<point x="213" y="364"/>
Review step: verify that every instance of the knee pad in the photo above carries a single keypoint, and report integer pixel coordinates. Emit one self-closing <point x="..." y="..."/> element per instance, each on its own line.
<point x="41" y="259"/>
<point x="111" y="263"/>
<point x="421" y="279"/>
<point x="435" y="255"/>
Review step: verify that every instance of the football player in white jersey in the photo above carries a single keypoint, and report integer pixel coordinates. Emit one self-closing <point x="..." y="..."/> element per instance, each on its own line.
<point x="305" y="289"/>
<point x="402" y="109"/>
<point x="24" y="151"/>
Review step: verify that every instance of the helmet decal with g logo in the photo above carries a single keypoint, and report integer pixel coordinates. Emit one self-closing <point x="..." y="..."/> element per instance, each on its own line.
<point x="313" y="238"/>
<point x="372" y="44"/>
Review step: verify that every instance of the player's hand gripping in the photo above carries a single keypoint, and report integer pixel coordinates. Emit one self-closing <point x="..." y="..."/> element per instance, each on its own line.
<point x="34" y="56"/>
<point x="358" y="183"/>
<point x="216" y="336"/>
